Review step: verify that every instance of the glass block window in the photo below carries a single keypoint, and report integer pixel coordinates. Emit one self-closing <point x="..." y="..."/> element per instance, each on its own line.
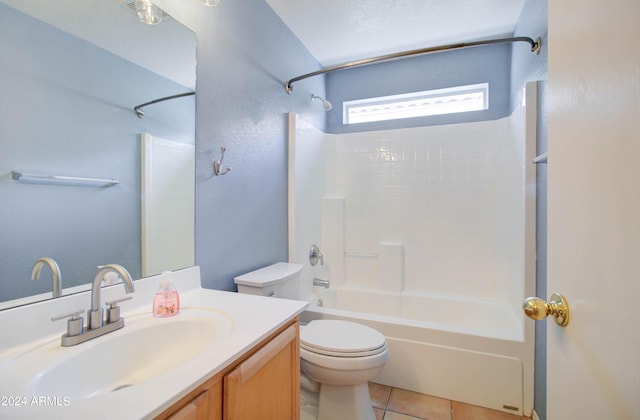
<point x="417" y="104"/>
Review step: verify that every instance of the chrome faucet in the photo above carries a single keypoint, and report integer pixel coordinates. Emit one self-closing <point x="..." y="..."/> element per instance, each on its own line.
<point x="94" y="314"/>
<point x="97" y="325"/>
<point x="321" y="282"/>
<point x="55" y="273"/>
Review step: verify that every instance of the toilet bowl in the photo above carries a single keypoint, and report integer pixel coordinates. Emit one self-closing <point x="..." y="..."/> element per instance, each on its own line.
<point x="342" y="357"/>
<point x="338" y="358"/>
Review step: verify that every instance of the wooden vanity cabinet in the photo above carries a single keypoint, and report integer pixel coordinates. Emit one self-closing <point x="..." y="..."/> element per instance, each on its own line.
<point x="207" y="405"/>
<point x="264" y="384"/>
<point x="267" y="384"/>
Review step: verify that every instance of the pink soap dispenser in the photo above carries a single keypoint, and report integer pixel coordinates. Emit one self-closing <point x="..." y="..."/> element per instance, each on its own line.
<point x="166" y="301"/>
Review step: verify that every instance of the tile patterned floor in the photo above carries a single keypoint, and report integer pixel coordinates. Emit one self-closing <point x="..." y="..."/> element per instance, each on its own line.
<point x="399" y="404"/>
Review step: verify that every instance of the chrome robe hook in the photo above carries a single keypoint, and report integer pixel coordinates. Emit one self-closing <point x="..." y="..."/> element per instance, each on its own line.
<point x="218" y="163"/>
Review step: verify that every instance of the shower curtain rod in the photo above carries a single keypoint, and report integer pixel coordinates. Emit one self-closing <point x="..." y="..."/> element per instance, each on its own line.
<point x="140" y="112"/>
<point x="535" y="48"/>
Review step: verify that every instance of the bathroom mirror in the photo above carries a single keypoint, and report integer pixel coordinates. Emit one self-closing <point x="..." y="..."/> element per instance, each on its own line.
<point x="70" y="74"/>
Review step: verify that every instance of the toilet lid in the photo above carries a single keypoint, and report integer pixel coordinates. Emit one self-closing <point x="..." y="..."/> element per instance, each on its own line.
<point x="341" y="338"/>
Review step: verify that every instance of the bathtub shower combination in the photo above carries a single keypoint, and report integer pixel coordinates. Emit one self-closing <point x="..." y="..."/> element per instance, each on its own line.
<point x="450" y="347"/>
<point x="428" y="236"/>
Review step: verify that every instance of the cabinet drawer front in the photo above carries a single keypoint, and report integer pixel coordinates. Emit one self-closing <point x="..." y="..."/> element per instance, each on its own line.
<point x="197" y="409"/>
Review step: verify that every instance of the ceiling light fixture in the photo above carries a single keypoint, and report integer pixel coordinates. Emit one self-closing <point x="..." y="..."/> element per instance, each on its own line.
<point x="148" y="12"/>
<point x="151" y="14"/>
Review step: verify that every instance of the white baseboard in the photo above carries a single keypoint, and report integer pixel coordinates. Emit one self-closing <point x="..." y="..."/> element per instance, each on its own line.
<point x="534" y="415"/>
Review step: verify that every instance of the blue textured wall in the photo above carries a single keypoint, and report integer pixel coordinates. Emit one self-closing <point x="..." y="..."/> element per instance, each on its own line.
<point x="433" y="71"/>
<point x="245" y="53"/>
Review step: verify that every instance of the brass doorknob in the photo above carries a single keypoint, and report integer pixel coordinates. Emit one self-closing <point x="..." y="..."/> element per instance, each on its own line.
<point x="538" y="309"/>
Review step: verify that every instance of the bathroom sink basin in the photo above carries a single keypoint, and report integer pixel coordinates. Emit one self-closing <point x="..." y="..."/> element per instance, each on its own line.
<point x="143" y="350"/>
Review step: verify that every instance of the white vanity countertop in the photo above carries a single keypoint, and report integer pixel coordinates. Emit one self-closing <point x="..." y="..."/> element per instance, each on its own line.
<point x="253" y="318"/>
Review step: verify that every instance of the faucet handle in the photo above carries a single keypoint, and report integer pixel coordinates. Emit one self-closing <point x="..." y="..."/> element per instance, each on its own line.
<point x="315" y="255"/>
<point x="75" y="324"/>
<point x="113" y="311"/>
<point x="114" y="303"/>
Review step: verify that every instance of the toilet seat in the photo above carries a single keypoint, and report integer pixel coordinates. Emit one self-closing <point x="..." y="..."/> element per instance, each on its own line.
<point x="337" y="338"/>
<point x="344" y="354"/>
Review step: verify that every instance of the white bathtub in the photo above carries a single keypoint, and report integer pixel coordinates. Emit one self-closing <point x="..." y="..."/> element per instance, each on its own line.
<point x="458" y="348"/>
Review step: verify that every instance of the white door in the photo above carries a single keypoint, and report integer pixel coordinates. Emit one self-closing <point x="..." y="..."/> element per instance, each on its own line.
<point x="167" y="218"/>
<point x="593" y="369"/>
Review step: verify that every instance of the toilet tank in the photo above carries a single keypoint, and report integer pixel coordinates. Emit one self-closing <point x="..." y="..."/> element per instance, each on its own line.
<point x="280" y="280"/>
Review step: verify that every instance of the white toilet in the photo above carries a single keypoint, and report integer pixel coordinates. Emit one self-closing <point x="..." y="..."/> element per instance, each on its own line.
<point x="340" y="356"/>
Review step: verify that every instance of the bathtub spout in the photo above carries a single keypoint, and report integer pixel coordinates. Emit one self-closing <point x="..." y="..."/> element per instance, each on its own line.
<point x="320" y="282"/>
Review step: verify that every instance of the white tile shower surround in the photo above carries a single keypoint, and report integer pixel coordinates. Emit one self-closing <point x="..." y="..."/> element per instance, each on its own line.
<point x="307" y="184"/>
<point x="452" y="195"/>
